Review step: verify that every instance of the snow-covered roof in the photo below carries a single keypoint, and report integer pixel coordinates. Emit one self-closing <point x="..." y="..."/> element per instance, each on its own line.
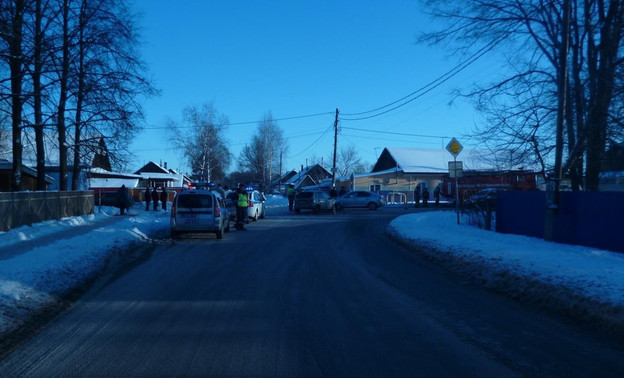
<point x="111" y="182"/>
<point x="160" y="176"/>
<point x="421" y="160"/>
<point x="104" y="172"/>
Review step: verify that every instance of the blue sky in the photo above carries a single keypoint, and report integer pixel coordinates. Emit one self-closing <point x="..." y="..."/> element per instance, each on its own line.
<point x="297" y="58"/>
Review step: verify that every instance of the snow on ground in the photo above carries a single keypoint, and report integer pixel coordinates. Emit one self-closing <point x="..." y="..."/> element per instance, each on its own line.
<point x="41" y="263"/>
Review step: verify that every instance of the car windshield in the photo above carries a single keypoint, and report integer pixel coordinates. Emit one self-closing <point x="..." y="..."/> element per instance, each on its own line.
<point x="195" y="201"/>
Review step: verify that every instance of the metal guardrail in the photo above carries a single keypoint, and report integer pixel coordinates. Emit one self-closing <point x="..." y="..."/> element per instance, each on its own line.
<point x="25" y="208"/>
<point x="392" y="198"/>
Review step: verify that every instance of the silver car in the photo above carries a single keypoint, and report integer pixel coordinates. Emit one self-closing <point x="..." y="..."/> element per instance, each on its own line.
<point x="315" y="201"/>
<point x="361" y="198"/>
<point x="199" y="211"/>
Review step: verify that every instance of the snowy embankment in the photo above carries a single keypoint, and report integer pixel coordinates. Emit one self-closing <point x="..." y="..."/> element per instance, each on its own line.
<point x="582" y="282"/>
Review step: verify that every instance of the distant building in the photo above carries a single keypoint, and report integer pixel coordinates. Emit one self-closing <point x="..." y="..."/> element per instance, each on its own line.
<point x="401" y="170"/>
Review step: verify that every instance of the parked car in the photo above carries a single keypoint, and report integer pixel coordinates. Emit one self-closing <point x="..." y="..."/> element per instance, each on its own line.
<point x="482" y="198"/>
<point x="360" y="198"/>
<point x="111" y="199"/>
<point x="231" y="197"/>
<point x="315" y="201"/>
<point x="256" y="209"/>
<point x="199" y="211"/>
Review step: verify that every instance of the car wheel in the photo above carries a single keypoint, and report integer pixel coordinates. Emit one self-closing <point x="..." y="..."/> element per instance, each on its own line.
<point x="316" y="209"/>
<point x="220" y="233"/>
<point x="262" y="214"/>
<point x="338" y="207"/>
<point x="297" y="210"/>
<point x="227" y="228"/>
<point x="255" y="217"/>
<point x="175" y="235"/>
<point x="372" y="206"/>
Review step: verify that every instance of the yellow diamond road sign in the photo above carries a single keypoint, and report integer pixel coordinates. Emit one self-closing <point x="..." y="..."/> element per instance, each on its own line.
<point x="454" y="147"/>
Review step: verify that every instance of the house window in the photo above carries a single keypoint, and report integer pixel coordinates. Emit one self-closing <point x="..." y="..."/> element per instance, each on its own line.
<point x="375" y="188"/>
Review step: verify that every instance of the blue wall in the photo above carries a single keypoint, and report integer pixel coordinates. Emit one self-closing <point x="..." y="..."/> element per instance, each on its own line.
<point x="594" y="219"/>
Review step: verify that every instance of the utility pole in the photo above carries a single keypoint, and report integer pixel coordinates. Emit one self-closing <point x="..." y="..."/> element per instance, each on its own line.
<point x="335" y="148"/>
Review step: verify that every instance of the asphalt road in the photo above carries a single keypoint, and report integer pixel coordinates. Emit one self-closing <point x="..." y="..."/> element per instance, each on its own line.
<point x="306" y="295"/>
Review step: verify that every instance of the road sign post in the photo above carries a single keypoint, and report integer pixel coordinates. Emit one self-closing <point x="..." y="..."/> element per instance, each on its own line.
<point x="454" y="147"/>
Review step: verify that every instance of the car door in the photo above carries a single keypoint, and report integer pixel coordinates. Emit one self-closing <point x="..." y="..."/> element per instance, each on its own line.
<point x="363" y="198"/>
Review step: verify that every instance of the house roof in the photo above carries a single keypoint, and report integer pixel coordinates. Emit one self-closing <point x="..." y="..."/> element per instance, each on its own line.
<point x="151" y="167"/>
<point x="420" y="160"/>
<point x="311" y="175"/>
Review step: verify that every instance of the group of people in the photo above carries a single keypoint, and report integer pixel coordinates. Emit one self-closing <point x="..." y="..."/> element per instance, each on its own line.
<point x="154" y="197"/>
<point x="425" y="196"/>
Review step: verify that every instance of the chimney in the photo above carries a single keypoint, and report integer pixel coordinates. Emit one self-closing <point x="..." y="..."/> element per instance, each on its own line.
<point x="165" y="165"/>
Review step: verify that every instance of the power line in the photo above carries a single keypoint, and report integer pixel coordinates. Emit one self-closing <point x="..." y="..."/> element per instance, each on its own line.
<point x="427" y="88"/>
<point x="246" y="122"/>
<point x="313" y="143"/>
<point x="394" y="133"/>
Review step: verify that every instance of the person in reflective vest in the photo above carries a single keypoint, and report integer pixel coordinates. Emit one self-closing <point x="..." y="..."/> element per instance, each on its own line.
<point x="290" y="192"/>
<point x="241" y="207"/>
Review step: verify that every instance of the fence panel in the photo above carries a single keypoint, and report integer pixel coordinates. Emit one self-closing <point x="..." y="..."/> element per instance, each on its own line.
<point x="25" y="208"/>
<point x="591" y="219"/>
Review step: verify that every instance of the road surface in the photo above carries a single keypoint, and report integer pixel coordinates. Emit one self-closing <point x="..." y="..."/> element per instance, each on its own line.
<point x="305" y="295"/>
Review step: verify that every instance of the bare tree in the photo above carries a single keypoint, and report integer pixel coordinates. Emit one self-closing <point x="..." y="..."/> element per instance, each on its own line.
<point x="347" y="162"/>
<point x="262" y="156"/>
<point x="11" y="32"/>
<point x="557" y="98"/>
<point x="201" y="139"/>
<point x="107" y="79"/>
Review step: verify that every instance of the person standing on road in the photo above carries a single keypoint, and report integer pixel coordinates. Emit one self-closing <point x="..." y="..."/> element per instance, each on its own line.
<point x="163" y="198"/>
<point x="241" y="207"/>
<point x="155" y="198"/>
<point x="436" y="195"/>
<point x="290" y="191"/>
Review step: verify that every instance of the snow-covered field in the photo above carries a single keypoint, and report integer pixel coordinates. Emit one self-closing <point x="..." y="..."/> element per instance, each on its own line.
<point x="40" y="264"/>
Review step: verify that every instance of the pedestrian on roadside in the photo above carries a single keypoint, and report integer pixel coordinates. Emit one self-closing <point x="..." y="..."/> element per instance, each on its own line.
<point x="290" y="192"/>
<point x="123" y="199"/>
<point x="425" y="197"/>
<point x="417" y="197"/>
<point x="436" y="195"/>
<point x="148" y="198"/>
<point x="155" y="198"/>
<point x="163" y="198"/>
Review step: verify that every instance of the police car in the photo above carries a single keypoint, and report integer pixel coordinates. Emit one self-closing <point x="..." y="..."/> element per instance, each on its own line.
<point x="199" y="211"/>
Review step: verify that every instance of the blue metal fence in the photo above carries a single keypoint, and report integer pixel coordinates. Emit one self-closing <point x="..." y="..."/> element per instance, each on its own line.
<point x="594" y="219"/>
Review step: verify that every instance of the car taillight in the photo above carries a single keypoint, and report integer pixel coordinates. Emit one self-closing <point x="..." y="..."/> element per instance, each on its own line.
<point x="217" y="211"/>
<point x="250" y="204"/>
<point x="173" y="211"/>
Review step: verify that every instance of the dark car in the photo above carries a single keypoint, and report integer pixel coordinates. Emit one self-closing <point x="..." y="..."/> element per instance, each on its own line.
<point x="361" y="198"/>
<point x="316" y="201"/>
<point x="112" y="199"/>
<point x="483" y="198"/>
